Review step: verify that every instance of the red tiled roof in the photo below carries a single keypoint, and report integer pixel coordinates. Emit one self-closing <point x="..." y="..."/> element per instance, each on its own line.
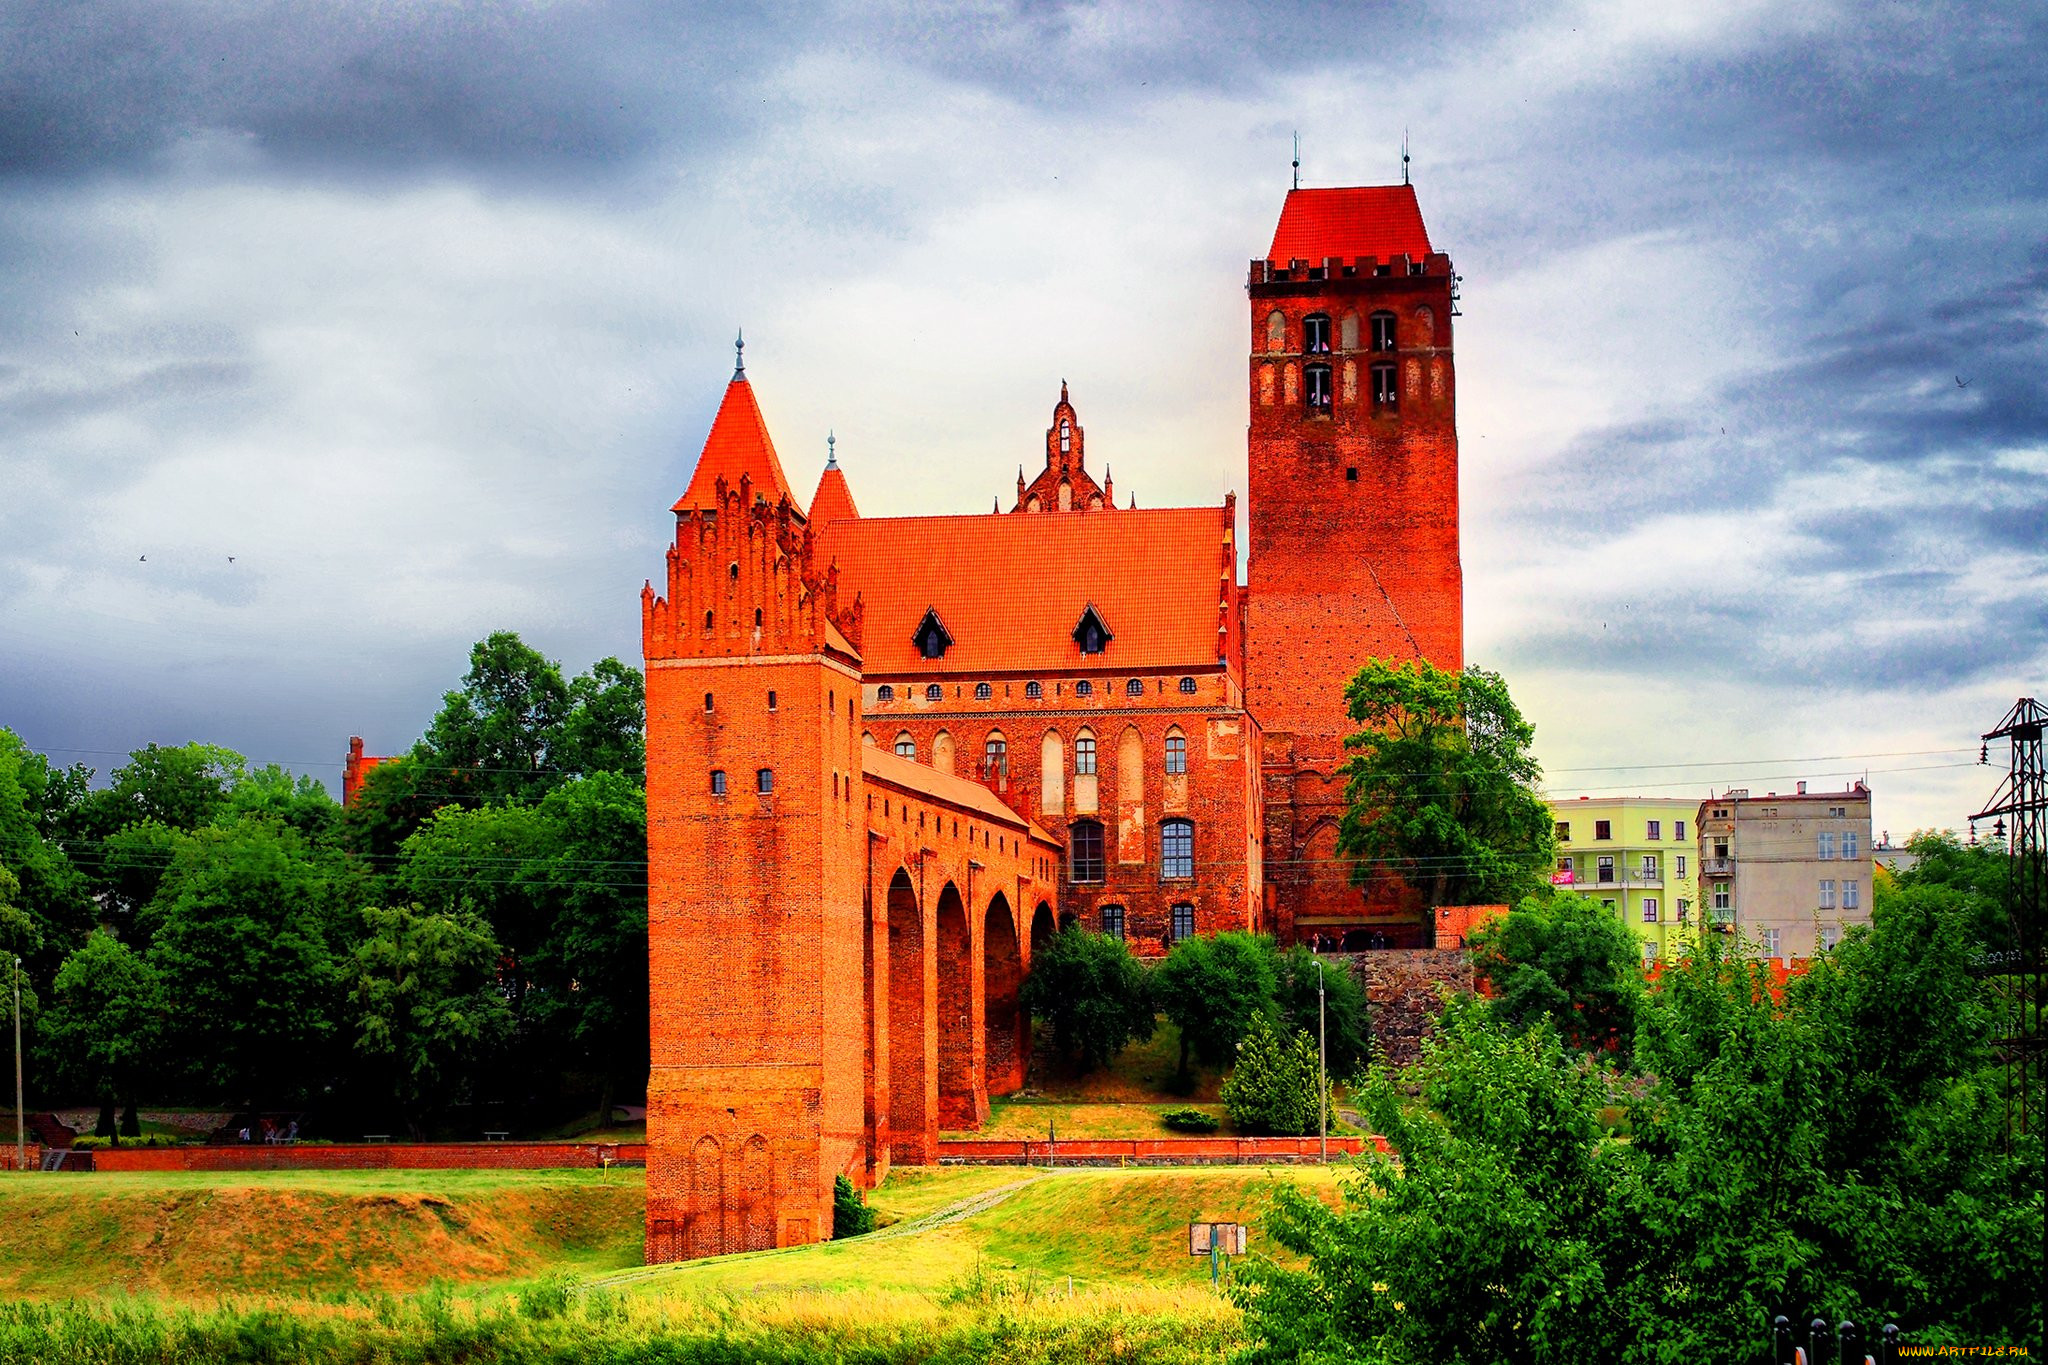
<point x="1363" y="220"/>
<point x="738" y="444"/>
<point x="878" y="762"/>
<point x="834" y="500"/>
<point x="1012" y="589"/>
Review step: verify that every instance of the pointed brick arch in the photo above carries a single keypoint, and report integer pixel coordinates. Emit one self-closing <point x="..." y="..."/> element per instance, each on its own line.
<point x="1003" y="975"/>
<point x="954" y="1021"/>
<point x="910" y="1107"/>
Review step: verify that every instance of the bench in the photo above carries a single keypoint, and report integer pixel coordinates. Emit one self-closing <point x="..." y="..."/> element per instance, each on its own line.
<point x="496" y="1134"/>
<point x="376" y="1137"/>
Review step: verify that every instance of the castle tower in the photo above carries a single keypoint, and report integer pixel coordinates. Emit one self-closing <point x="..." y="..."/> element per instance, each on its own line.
<point x="755" y="1096"/>
<point x="1353" y="453"/>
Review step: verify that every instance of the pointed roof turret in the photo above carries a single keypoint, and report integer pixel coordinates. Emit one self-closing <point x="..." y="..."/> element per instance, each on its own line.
<point x="738" y="445"/>
<point x="834" y="500"/>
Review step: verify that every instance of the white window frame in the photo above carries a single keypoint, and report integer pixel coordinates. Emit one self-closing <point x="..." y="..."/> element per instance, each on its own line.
<point x="1827" y="893"/>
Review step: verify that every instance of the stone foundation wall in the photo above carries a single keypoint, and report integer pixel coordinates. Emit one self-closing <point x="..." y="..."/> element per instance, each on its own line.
<point x="1402" y="987"/>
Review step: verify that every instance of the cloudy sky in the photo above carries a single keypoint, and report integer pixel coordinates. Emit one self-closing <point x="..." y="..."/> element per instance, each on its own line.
<point x="377" y="328"/>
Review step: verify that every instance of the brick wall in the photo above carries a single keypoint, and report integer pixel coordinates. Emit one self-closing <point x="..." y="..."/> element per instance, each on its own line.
<point x="395" y="1156"/>
<point x="1187" y="1151"/>
<point x="1403" y="989"/>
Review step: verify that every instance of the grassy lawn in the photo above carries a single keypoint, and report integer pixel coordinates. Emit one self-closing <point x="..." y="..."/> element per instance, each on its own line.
<point x="1015" y="1120"/>
<point x="1104" y="1228"/>
<point x="302" y="1233"/>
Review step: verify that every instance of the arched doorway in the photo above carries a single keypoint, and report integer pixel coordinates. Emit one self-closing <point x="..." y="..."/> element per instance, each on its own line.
<point x="909" y="1101"/>
<point x="955" y="1014"/>
<point x="1002" y="967"/>
<point x="1042" y="927"/>
<point x="704" y="1231"/>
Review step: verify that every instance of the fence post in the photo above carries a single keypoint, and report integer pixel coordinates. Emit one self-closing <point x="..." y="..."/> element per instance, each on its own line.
<point x="1888" y="1348"/>
<point x="1819" y="1339"/>
<point x="1781" y="1340"/>
<point x="1851" y="1342"/>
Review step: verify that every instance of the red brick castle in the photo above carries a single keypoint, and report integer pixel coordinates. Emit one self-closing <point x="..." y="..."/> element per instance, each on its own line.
<point x="888" y="756"/>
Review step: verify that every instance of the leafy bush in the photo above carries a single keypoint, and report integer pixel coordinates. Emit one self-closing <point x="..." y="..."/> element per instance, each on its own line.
<point x="851" y="1215"/>
<point x="1189" y="1121"/>
<point x="1091" y="992"/>
<point x="1276" y="1086"/>
<point x="92" y="1142"/>
<point x="1566" y="959"/>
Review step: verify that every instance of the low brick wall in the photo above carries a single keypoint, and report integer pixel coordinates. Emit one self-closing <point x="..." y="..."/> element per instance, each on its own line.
<point x="393" y="1156"/>
<point x="1402" y="988"/>
<point x="1189" y="1151"/>
<point x="34" y="1159"/>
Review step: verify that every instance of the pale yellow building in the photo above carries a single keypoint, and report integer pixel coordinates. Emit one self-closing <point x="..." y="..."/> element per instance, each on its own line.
<point x="1633" y="855"/>
<point x="1786" y="873"/>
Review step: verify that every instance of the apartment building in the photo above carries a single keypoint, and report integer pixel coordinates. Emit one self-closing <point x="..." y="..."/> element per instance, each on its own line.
<point x="1635" y="856"/>
<point x="1786" y="873"/>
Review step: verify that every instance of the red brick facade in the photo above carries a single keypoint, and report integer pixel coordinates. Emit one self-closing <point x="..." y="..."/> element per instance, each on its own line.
<point x="888" y="756"/>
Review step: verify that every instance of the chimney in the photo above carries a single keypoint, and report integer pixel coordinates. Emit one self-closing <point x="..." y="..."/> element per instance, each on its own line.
<point x="1802" y="789"/>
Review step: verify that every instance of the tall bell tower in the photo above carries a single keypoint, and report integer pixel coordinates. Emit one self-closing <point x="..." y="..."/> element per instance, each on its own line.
<point x="1353" y="453"/>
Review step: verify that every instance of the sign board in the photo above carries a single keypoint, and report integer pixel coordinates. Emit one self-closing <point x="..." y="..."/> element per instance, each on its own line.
<point x="1226" y="1239"/>
<point x="1563" y="878"/>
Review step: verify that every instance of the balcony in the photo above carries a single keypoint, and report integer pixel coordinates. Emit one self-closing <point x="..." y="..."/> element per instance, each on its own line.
<point x="1717" y="867"/>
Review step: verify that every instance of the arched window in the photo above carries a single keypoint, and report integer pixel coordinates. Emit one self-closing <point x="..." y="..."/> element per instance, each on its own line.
<point x="1183" y="921"/>
<point x="1347" y="333"/>
<point x="982" y="691"/>
<point x="1134" y="688"/>
<point x="1176" y="754"/>
<point x="1276" y="331"/>
<point x="1113" y="920"/>
<point x="1382" y="331"/>
<point x="1384" y="393"/>
<point x="1084" y="688"/>
<point x="933" y="692"/>
<point x="1176" y="848"/>
<point x="1187" y="686"/>
<point x="885" y="693"/>
<point x="1084" y="851"/>
<point x="757" y="616"/>
<point x="707" y="620"/>
<point x="906" y="747"/>
<point x="1033" y="691"/>
<point x="1084" y="756"/>
<point x="718" y="781"/>
<point x="995" y="756"/>
<point x="1066" y="436"/>
<point x="764" y="780"/>
<point x="942" y="752"/>
<point x="1315" y="334"/>
<point x="1317" y="393"/>
<point x="771" y="701"/>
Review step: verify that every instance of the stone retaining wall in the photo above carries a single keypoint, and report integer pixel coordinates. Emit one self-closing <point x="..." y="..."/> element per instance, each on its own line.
<point x="1403" y="987"/>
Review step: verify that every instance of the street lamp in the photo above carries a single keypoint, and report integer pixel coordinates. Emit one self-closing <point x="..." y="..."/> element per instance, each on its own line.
<point x="1322" y="1072"/>
<point x="20" y="1124"/>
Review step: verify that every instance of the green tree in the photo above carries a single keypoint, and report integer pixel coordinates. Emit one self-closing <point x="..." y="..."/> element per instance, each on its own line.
<point x="1440" y="788"/>
<point x="48" y="892"/>
<point x="1563" y="958"/>
<point x="240" y="935"/>
<point x="181" y="786"/>
<point x="298" y="801"/>
<point x="1345" y="1022"/>
<point x="851" y="1215"/>
<point x="1090" y="992"/>
<point x="1277" y="1085"/>
<point x="426" y="1003"/>
<point x="499" y="731"/>
<point x="105" y="1026"/>
<point x="396" y="799"/>
<point x="1210" y="988"/>
<point x="604" y="731"/>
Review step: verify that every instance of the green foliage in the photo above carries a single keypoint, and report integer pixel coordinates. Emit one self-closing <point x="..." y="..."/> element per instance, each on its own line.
<point x="427" y="1007"/>
<point x="92" y="1142"/>
<point x="1346" y="1021"/>
<point x="239" y="934"/>
<point x="49" y="911"/>
<point x="1277" y="1084"/>
<point x="1189" y="1121"/>
<point x="1840" y="1153"/>
<point x="515" y="729"/>
<point x="1090" y="992"/>
<point x="1440" y="788"/>
<point x="182" y="786"/>
<point x="851" y="1215"/>
<point x="1566" y="959"/>
<point x="300" y="802"/>
<point x="105" y="1027"/>
<point x="1211" y="988"/>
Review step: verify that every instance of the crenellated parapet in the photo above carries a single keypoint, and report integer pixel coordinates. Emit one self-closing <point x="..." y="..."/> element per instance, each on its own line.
<point x="1326" y="269"/>
<point x="742" y="580"/>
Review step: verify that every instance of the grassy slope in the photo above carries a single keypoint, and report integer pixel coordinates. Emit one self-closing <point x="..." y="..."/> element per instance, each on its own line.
<point x="196" y="1235"/>
<point x="1105" y="1228"/>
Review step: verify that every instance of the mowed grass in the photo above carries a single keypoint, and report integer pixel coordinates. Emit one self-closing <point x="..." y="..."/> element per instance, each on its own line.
<point x="1103" y="1228"/>
<point x="1015" y="1120"/>
<point x="198" y="1235"/>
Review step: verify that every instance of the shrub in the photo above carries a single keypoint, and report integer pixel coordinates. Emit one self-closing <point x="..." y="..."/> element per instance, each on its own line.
<point x="1276" y="1085"/>
<point x="1091" y="992"/>
<point x="851" y="1215"/>
<point x="1189" y="1121"/>
<point x="1344" y="1009"/>
<point x="92" y="1142"/>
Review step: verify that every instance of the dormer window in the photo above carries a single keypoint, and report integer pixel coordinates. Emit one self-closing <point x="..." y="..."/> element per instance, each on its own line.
<point x="1315" y="334"/>
<point x="1090" y="632"/>
<point x="931" y="639"/>
<point x="1382" y="331"/>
